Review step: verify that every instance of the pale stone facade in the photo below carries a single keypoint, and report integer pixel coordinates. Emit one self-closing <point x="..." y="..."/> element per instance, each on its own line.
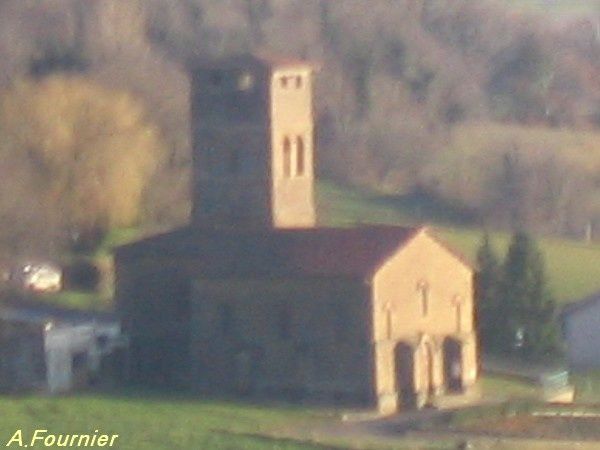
<point x="423" y="314"/>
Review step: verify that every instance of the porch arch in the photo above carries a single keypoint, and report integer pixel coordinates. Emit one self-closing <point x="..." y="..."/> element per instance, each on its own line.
<point x="453" y="364"/>
<point x="404" y="364"/>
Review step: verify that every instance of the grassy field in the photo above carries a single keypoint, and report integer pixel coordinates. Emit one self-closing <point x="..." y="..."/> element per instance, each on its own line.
<point x="573" y="266"/>
<point x="497" y="387"/>
<point x="157" y="422"/>
<point x="78" y="300"/>
<point x="150" y="421"/>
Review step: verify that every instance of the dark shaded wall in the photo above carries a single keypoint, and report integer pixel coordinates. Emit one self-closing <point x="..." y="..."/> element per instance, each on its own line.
<point x="22" y="356"/>
<point x="304" y="338"/>
<point x="152" y="296"/>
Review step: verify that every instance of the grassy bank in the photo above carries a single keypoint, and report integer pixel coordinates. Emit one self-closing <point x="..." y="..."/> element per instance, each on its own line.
<point x="156" y="422"/>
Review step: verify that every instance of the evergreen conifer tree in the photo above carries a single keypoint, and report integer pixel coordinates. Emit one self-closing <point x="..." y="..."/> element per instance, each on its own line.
<point x="526" y="307"/>
<point x="486" y="288"/>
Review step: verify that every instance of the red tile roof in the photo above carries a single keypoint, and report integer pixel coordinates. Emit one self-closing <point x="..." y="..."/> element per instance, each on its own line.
<point x="313" y="252"/>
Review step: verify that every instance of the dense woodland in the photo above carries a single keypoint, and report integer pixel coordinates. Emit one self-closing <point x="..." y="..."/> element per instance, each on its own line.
<point x="484" y="105"/>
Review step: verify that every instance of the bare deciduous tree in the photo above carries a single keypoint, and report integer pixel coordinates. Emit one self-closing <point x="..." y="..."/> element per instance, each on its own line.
<point x="82" y="154"/>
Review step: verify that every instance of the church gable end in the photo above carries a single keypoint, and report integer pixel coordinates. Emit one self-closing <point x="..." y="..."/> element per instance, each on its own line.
<point x="423" y="281"/>
<point x="423" y="319"/>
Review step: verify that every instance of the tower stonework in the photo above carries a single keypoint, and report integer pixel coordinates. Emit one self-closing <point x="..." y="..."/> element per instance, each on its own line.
<point x="252" y="124"/>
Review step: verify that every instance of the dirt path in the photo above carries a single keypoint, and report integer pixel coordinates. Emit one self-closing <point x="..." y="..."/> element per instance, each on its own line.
<point x="401" y="432"/>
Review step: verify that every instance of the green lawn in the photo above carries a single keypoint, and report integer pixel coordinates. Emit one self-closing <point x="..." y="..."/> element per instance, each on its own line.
<point x="497" y="387"/>
<point x="114" y="238"/>
<point x="77" y="300"/>
<point x="157" y="422"/>
<point x="340" y="205"/>
<point x="149" y="421"/>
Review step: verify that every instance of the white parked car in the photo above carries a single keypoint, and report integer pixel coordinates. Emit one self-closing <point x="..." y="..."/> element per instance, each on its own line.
<point x="42" y="278"/>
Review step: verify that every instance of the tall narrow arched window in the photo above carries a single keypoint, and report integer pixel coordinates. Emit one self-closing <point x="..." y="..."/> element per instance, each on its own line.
<point x="456" y="302"/>
<point x="458" y="314"/>
<point x="287" y="157"/>
<point x="300" y="163"/>
<point x="423" y="290"/>
<point x="387" y="309"/>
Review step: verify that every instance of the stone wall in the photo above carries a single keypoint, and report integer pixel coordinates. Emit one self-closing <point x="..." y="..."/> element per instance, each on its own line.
<point x="252" y="128"/>
<point x="306" y="338"/>
<point x="292" y="119"/>
<point x="22" y="356"/>
<point x="152" y="297"/>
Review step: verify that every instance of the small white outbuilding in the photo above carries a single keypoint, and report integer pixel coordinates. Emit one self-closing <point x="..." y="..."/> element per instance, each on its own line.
<point x="54" y="350"/>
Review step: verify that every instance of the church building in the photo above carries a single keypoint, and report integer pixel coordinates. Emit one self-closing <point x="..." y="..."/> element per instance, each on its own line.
<point x="253" y="298"/>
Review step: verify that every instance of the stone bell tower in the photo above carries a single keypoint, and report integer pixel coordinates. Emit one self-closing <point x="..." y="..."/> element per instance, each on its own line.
<point x="252" y="125"/>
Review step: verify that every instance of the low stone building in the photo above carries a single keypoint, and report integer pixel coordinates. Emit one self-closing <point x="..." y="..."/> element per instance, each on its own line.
<point x="53" y="350"/>
<point x="253" y="297"/>
<point x="372" y="314"/>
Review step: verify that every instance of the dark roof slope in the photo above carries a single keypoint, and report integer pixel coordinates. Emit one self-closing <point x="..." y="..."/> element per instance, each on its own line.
<point x="312" y="251"/>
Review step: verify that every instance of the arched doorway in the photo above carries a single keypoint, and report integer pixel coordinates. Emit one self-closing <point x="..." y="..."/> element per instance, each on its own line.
<point x="404" y="359"/>
<point x="453" y="364"/>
